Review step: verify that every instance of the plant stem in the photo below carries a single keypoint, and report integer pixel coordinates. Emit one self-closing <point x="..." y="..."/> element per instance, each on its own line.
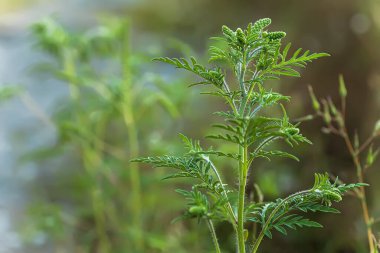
<point x="363" y="199"/>
<point x="230" y="100"/>
<point x="69" y="70"/>
<point x="366" y="144"/>
<point x="91" y="159"/>
<point x="243" y="170"/>
<point x="243" y="163"/>
<point x="98" y="207"/>
<point x="213" y="235"/>
<point x="246" y="98"/>
<point x="129" y="120"/>
<point x="229" y="207"/>
<point x="134" y="173"/>
<point x="260" y="200"/>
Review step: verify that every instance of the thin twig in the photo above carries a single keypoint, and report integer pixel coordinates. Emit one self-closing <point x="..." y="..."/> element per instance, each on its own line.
<point x="213" y="235"/>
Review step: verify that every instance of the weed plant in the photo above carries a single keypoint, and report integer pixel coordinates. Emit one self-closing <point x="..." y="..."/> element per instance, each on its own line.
<point x="111" y="98"/>
<point x="246" y="59"/>
<point x="363" y="154"/>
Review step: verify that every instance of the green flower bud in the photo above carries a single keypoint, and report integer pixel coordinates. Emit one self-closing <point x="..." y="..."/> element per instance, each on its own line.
<point x="342" y="87"/>
<point x="249" y="27"/>
<point x="333" y="109"/>
<point x="197" y="210"/>
<point x="314" y="100"/>
<point x="326" y="113"/>
<point x="276" y="35"/>
<point x="228" y="32"/>
<point x="240" y="36"/>
<point x="261" y="24"/>
<point x="339" y="119"/>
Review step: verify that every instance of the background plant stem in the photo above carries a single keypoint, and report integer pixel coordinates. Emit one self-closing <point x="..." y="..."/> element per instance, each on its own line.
<point x="133" y="142"/>
<point x="91" y="161"/>
<point x="363" y="199"/>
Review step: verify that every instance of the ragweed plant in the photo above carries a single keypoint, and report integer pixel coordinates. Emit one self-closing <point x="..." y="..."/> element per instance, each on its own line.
<point x="363" y="154"/>
<point x="252" y="56"/>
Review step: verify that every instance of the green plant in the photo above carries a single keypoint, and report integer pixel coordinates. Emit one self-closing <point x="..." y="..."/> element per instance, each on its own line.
<point x="111" y="98"/>
<point x="9" y="92"/>
<point x="335" y="120"/>
<point x="253" y="56"/>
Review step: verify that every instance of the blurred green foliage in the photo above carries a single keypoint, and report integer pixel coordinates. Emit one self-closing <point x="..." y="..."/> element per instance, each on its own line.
<point x="9" y="92"/>
<point x="104" y="203"/>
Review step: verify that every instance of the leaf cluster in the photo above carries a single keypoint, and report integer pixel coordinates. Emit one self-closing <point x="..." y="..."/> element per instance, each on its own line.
<point x="283" y="214"/>
<point x="196" y="164"/>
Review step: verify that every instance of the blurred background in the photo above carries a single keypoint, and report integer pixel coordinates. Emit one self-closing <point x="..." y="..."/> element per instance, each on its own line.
<point x="80" y="97"/>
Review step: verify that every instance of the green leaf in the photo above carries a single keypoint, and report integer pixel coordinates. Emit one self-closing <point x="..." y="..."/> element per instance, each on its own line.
<point x="282" y="213"/>
<point x="210" y="76"/>
<point x="286" y="66"/>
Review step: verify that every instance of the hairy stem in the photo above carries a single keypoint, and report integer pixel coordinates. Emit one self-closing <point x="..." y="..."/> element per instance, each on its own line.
<point x="213" y="235"/>
<point x="243" y="163"/>
<point x="243" y="170"/>
<point x="246" y="98"/>
<point x="260" y="199"/>
<point x="229" y="207"/>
